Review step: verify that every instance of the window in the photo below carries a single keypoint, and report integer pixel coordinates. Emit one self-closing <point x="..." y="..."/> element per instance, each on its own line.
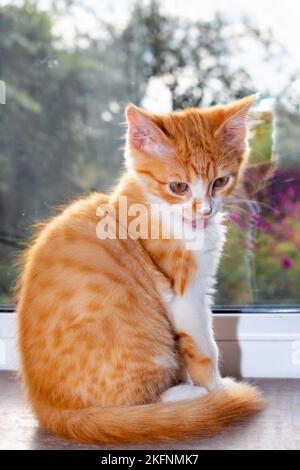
<point x="70" y="67"/>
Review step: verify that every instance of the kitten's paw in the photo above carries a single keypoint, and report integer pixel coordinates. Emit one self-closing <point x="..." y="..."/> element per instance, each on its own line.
<point x="222" y="382"/>
<point x="182" y="392"/>
<point x="227" y="382"/>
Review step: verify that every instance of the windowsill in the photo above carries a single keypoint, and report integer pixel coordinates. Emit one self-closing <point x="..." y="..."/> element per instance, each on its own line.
<point x="257" y="343"/>
<point x="276" y="427"/>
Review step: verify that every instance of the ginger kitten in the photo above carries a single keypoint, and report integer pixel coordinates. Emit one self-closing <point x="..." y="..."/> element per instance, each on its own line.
<point x="115" y="335"/>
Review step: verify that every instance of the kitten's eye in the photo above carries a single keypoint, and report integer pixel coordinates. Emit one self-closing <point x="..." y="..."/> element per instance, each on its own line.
<point x="178" y="187"/>
<point x="220" y="182"/>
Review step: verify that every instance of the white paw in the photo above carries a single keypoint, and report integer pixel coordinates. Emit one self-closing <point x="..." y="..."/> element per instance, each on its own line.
<point x="227" y="382"/>
<point x="222" y="382"/>
<point x="182" y="392"/>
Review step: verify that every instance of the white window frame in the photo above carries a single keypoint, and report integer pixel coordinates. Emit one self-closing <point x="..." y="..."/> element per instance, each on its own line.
<point x="259" y="344"/>
<point x="264" y="344"/>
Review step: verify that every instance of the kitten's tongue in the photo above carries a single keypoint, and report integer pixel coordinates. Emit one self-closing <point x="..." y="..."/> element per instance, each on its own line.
<point x="197" y="224"/>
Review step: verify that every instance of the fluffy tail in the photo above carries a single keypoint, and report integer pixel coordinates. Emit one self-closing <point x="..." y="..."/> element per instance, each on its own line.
<point x="158" y="421"/>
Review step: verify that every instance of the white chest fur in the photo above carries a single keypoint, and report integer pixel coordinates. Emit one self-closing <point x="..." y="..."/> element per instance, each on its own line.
<point x="190" y="313"/>
<point x="208" y="256"/>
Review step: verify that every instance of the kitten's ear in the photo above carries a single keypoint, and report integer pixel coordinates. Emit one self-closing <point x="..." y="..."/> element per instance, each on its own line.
<point x="233" y="130"/>
<point x="144" y="135"/>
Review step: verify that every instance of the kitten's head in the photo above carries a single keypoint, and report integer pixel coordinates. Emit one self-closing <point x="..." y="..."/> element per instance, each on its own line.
<point x="191" y="158"/>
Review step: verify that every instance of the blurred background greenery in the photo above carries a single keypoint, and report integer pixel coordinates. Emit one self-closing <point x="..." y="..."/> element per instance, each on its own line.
<point x="61" y="132"/>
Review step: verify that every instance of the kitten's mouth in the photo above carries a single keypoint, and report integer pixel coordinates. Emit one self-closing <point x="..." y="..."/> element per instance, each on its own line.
<point x="196" y="224"/>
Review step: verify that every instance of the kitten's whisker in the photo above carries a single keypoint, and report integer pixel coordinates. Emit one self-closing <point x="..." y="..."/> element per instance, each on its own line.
<point x="257" y="203"/>
<point x="235" y="207"/>
<point x="245" y="201"/>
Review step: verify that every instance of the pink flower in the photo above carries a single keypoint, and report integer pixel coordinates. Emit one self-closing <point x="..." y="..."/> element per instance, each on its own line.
<point x="286" y="262"/>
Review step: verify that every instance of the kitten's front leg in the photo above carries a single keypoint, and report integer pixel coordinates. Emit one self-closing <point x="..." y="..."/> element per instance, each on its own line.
<point x="191" y="318"/>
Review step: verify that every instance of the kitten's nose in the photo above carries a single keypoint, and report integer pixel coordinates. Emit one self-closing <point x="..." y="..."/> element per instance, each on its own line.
<point x="207" y="209"/>
<point x="203" y="209"/>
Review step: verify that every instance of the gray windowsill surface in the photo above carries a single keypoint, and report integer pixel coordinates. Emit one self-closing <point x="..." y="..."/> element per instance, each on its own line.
<point x="277" y="427"/>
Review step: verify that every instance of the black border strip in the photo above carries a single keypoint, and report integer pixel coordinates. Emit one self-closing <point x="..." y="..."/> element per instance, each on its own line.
<point x="7" y="308"/>
<point x="219" y="309"/>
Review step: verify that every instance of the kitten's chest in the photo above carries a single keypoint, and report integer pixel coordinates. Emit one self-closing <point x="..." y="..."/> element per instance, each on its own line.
<point x="207" y="262"/>
<point x="192" y="301"/>
<point x="204" y="262"/>
<point x="189" y="270"/>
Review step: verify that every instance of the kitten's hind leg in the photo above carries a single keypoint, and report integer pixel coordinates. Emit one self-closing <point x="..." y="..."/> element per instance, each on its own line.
<point x="182" y="392"/>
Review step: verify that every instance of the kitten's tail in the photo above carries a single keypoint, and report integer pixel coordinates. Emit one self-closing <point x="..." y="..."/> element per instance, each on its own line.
<point x="157" y="421"/>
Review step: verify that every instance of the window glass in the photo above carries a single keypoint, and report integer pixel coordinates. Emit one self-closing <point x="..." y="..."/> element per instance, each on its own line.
<point x="67" y="70"/>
